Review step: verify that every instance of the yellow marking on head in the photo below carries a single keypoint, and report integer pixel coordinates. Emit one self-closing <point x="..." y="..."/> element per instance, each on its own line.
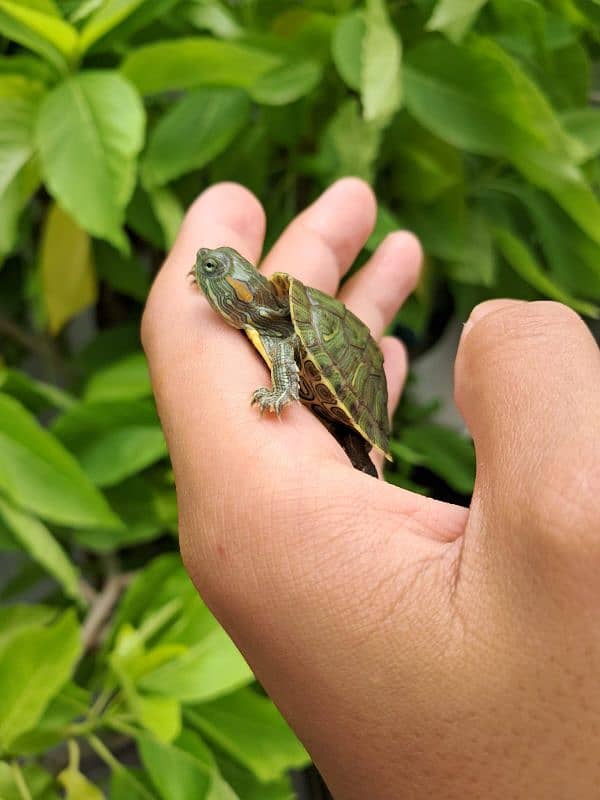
<point x="241" y="290"/>
<point x="254" y="337"/>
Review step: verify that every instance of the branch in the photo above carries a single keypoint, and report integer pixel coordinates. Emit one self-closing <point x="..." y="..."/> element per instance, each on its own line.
<point x="27" y="340"/>
<point x="102" y="604"/>
<point x="42" y="346"/>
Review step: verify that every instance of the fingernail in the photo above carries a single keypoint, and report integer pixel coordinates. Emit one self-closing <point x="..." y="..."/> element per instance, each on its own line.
<point x="487" y="307"/>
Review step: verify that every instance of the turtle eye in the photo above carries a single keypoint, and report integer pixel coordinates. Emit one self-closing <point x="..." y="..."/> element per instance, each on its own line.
<point x="210" y="265"/>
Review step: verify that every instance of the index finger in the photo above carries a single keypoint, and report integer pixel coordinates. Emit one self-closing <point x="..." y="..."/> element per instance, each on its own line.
<point x="186" y="343"/>
<point x="202" y="370"/>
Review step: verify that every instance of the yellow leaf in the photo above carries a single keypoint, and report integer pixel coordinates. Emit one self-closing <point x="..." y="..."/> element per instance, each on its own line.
<point x="78" y="787"/>
<point x="68" y="276"/>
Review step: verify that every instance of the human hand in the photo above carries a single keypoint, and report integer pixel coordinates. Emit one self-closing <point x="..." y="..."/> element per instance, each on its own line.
<point x="418" y="649"/>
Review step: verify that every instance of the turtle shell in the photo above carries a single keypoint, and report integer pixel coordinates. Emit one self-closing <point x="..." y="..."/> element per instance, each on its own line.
<point x="341" y="369"/>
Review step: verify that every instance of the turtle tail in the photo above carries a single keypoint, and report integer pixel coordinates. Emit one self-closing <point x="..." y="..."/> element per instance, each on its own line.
<point x="356" y="448"/>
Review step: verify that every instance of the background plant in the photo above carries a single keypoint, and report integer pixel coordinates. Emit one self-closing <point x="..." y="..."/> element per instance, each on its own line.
<point x="475" y="123"/>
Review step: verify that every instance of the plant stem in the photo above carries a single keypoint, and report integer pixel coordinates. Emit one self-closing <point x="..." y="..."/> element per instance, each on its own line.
<point x="103" y="752"/>
<point x="35" y="344"/>
<point x="101" y="701"/>
<point x="103" y="603"/>
<point x="41" y="346"/>
<point x="121" y="727"/>
<point x="73" y="749"/>
<point x="20" y="781"/>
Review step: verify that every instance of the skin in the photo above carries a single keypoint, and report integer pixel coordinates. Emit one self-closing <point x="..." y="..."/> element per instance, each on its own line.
<point x="248" y="301"/>
<point x="418" y="649"/>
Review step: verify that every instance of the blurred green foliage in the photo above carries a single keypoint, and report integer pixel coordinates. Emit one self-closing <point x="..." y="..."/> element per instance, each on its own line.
<point x="475" y="122"/>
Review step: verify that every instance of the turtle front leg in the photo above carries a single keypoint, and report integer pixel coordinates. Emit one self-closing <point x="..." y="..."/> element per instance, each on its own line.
<point x="284" y="374"/>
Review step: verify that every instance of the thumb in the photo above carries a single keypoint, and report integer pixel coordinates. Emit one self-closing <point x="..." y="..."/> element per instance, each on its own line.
<point x="527" y="380"/>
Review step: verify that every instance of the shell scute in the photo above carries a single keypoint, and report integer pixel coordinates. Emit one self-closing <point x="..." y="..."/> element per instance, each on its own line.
<point x="342" y="365"/>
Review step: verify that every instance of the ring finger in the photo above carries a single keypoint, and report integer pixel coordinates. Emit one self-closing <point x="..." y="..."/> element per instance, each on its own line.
<point x="377" y="291"/>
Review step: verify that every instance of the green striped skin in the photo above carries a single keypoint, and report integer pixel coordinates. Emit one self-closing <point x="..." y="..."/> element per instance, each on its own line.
<point x="339" y="364"/>
<point x="239" y="293"/>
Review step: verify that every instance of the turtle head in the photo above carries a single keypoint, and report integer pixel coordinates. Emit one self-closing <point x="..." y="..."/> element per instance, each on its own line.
<point x="229" y="282"/>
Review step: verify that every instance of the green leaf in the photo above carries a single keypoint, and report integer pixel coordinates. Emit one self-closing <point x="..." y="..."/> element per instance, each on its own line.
<point x="169" y="212"/>
<point x="125" y="379"/>
<point x="567" y="185"/>
<point x="248" y="787"/>
<point x="125" y="274"/>
<point x="500" y="114"/>
<point x="108" y="15"/>
<point x="36" y="539"/>
<point x="118" y="38"/>
<point x="28" y="67"/>
<point x="123" y="452"/>
<point x="381" y="59"/>
<point x="16" y="618"/>
<point x="191" y="743"/>
<point x="89" y="132"/>
<point x="159" y="582"/>
<point x="214" y="17"/>
<point x="38" y="782"/>
<point x="40" y="31"/>
<point x="350" y="144"/>
<point x="571" y="256"/>
<point x="147" y="508"/>
<point x="160" y="715"/>
<point x="251" y="730"/>
<point x="112" y="439"/>
<point x="39" y="475"/>
<point x="443" y="451"/>
<point x="71" y="704"/>
<point x="211" y="668"/>
<point x="454" y="17"/>
<point x="176" y="774"/>
<point x="286" y="83"/>
<point x="34" y="664"/>
<point x="68" y="276"/>
<point x="201" y="61"/>
<point x="424" y="166"/>
<point x="524" y="263"/>
<point x="125" y="785"/>
<point x="193" y="132"/>
<point x="19" y="102"/>
<point x="477" y="262"/>
<point x="584" y="124"/>
<point x="36" y="395"/>
<point x="346" y="47"/>
<point x="142" y="218"/>
<point x="107" y="347"/>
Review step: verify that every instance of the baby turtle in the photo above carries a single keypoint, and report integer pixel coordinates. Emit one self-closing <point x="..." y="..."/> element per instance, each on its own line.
<point x="317" y="350"/>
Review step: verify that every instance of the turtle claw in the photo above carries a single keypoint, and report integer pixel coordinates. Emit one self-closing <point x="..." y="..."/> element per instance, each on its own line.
<point x="270" y="400"/>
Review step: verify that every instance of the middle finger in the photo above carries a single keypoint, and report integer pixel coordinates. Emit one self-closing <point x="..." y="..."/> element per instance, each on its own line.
<point x="319" y="246"/>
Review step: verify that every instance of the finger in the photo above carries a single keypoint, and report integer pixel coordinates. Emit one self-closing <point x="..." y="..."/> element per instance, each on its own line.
<point x="319" y="246"/>
<point x="527" y="382"/>
<point x="378" y="290"/>
<point x="226" y="214"/>
<point x="188" y="346"/>
<point x="395" y="363"/>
